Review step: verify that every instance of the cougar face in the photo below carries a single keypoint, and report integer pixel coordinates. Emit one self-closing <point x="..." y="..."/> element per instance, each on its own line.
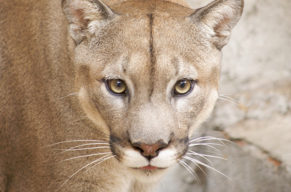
<point x="148" y="73"/>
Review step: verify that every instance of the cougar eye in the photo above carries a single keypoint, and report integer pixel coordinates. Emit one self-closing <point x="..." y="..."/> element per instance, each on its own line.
<point x="116" y="86"/>
<point x="183" y="87"/>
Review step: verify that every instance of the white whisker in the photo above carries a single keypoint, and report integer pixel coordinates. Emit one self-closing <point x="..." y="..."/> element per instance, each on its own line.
<point x="229" y="99"/>
<point x="73" y="141"/>
<point x="83" y="149"/>
<point x="208" y="160"/>
<point x="197" y="144"/>
<point x="189" y="169"/>
<point x="202" y="144"/>
<point x="87" y="144"/>
<point x="82" y="156"/>
<point x="71" y="94"/>
<point x="208" y="138"/>
<point x="201" y="163"/>
<point x="197" y="165"/>
<point x="84" y="167"/>
<point x="205" y="155"/>
<point x="104" y="159"/>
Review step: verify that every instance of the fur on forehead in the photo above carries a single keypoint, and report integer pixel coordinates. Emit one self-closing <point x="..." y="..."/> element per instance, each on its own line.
<point x="216" y="19"/>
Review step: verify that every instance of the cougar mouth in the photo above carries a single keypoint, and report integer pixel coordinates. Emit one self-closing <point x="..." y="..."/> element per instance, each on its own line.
<point x="149" y="168"/>
<point x="137" y="159"/>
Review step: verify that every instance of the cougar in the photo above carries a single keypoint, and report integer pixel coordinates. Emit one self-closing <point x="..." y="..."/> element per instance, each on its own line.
<point x="104" y="95"/>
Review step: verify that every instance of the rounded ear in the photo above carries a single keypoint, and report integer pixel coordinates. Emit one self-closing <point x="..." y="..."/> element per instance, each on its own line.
<point x="219" y="17"/>
<point x="85" y="17"/>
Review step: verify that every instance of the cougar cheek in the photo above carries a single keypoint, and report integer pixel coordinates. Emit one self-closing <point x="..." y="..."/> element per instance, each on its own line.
<point x="165" y="159"/>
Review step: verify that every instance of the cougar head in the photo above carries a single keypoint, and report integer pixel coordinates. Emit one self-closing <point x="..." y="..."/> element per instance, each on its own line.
<point x="148" y="73"/>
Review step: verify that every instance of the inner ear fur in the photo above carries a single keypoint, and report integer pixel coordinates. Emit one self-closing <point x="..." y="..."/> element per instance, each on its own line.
<point x="219" y="17"/>
<point x="85" y="17"/>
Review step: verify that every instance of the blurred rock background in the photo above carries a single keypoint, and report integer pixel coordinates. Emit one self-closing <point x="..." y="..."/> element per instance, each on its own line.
<point x="254" y="111"/>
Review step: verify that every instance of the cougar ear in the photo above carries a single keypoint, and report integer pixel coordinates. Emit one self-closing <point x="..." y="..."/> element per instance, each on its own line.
<point x="219" y="17"/>
<point x="85" y="17"/>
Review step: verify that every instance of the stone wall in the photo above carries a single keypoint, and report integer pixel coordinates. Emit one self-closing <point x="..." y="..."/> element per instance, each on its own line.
<point x="254" y="111"/>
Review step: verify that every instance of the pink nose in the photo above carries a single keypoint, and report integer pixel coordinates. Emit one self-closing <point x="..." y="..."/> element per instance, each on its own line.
<point x="149" y="151"/>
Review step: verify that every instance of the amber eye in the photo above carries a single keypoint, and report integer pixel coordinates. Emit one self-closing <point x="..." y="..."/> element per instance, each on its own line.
<point x="183" y="87"/>
<point x="116" y="86"/>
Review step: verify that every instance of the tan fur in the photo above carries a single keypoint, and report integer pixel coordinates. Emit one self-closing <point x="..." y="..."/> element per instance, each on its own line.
<point x="52" y="64"/>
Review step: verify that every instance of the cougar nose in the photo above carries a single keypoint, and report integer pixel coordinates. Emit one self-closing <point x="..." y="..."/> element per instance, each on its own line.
<point x="149" y="151"/>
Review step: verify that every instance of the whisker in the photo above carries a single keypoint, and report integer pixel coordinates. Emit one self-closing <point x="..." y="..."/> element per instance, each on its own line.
<point x="204" y="164"/>
<point x="87" y="144"/>
<point x="205" y="155"/>
<point x="84" y="167"/>
<point x="82" y="156"/>
<point x="208" y="138"/>
<point x="202" y="138"/>
<point x="203" y="144"/>
<point x="199" y="138"/>
<point x="71" y="94"/>
<point x="83" y="149"/>
<point x="208" y="160"/>
<point x="189" y="169"/>
<point x="104" y="159"/>
<point x="197" y="144"/>
<point x="199" y="167"/>
<point x="229" y="99"/>
<point x="73" y="141"/>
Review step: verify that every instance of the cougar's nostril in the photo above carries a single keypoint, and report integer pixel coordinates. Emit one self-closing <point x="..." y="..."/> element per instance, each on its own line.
<point x="149" y="150"/>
